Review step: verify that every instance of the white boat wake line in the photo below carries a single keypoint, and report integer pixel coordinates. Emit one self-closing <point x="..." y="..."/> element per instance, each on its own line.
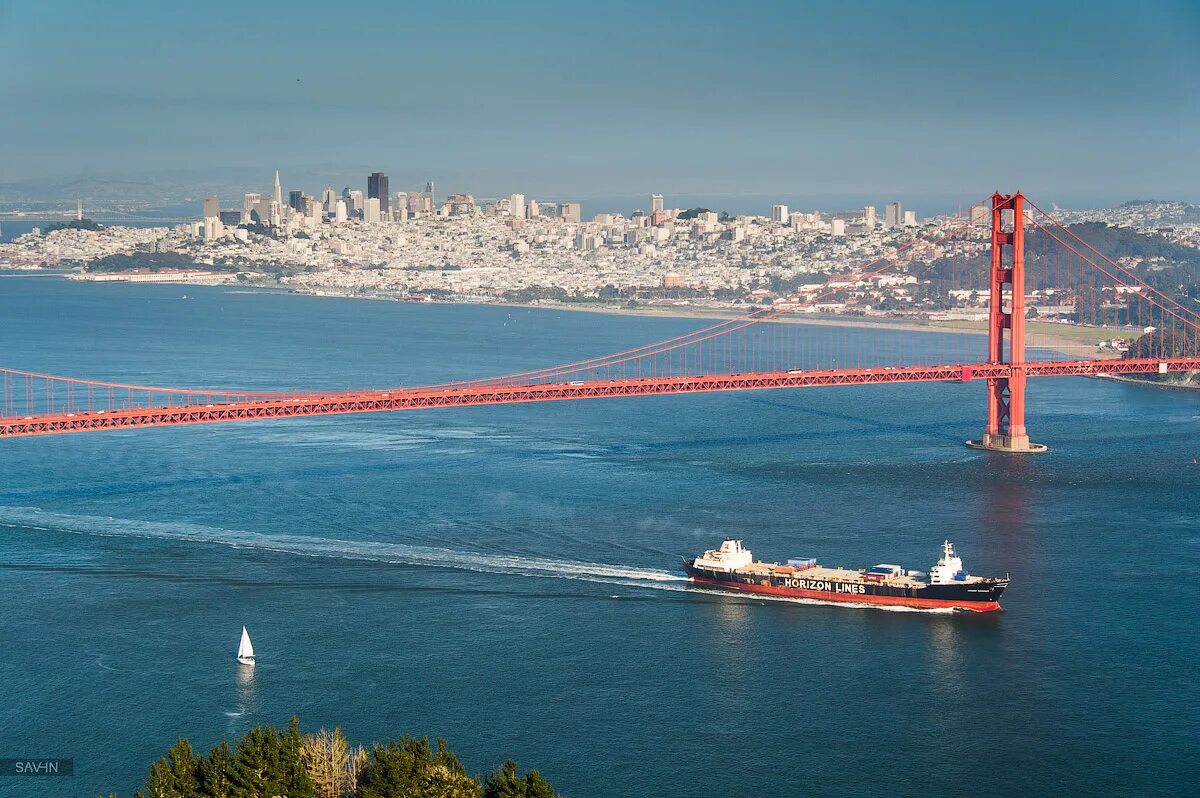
<point x="313" y="546"/>
<point x="398" y="553"/>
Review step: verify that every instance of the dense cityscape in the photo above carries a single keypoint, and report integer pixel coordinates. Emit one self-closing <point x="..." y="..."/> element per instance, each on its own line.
<point x="416" y="245"/>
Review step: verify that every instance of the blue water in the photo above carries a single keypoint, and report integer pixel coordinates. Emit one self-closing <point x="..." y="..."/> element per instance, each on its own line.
<point x="508" y="577"/>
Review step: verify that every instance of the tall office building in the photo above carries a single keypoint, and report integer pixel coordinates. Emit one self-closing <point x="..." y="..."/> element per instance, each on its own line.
<point x="339" y="211"/>
<point x="533" y="211"/>
<point x="328" y="199"/>
<point x="377" y="188"/>
<point x="656" y="203"/>
<point x="278" y="190"/>
<point x="354" y="200"/>
<point x="779" y="213"/>
<point x="516" y="206"/>
<point x="910" y="218"/>
<point x="430" y="192"/>
<point x="399" y="201"/>
<point x="212" y="207"/>
<point x="569" y="212"/>
<point x="893" y="215"/>
<point x="296" y="200"/>
<point x="869" y="217"/>
<point x="371" y="210"/>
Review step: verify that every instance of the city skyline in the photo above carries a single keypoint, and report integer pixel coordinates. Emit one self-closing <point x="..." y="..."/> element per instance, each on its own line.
<point x="820" y="103"/>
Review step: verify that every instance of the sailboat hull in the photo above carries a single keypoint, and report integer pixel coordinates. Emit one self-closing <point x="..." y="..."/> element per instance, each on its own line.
<point x="246" y="660"/>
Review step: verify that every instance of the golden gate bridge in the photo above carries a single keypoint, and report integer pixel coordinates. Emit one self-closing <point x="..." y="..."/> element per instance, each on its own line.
<point x="998" y="250"/>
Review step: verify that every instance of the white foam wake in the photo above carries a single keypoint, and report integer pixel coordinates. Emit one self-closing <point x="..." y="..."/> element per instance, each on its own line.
<point x="316" y="546"/>
<point x="397" y="553"/>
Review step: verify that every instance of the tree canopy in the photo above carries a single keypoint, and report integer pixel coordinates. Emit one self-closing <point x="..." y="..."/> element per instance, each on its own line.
<point x="267" y="762"/>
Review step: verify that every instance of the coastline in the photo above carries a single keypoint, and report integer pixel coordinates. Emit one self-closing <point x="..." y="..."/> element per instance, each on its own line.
<point x="1066" y="340"/>
<point x="1183" y="386"/>
<point x="1063" y="339"/>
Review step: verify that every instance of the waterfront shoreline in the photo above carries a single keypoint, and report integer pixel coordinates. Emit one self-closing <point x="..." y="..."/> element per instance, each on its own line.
<point x="1063" y="341"/>
<point x="1055" y="341"/>
<point x="1183" y="386"/>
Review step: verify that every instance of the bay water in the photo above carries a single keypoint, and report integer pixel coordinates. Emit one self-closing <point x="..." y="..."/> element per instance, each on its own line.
<point x="509" y="577"/>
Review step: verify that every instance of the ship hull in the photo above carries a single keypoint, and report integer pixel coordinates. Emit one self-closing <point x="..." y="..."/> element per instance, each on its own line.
<point x="968" y="597"/>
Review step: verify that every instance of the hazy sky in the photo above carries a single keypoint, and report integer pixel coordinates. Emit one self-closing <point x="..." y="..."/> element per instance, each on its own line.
<point x="1067" y="101"/>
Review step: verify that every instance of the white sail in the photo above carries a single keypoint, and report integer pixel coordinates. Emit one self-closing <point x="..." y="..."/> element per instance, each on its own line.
<point x="245" y="648"/>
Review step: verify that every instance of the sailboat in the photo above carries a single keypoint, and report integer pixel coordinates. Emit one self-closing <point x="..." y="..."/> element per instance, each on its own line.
<point x="245" y="653"/>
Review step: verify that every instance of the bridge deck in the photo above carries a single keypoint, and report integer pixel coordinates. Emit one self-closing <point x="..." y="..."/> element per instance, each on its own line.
<point x="460" y="396"/>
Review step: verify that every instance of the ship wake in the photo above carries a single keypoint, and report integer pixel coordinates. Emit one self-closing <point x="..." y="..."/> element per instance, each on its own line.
<point x="316" y="546"/>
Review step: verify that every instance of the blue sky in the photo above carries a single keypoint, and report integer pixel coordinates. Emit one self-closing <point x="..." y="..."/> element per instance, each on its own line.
<point x="797" y="100"/>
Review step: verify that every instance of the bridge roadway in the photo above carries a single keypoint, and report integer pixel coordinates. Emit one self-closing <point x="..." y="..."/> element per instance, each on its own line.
<point x="288" y="406"/>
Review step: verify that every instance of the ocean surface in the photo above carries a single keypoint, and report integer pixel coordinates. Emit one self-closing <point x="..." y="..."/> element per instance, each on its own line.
<point x="509" y="577"/>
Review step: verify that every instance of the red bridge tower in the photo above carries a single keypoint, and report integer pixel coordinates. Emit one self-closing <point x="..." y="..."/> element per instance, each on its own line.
<point x="1005" y="430"/>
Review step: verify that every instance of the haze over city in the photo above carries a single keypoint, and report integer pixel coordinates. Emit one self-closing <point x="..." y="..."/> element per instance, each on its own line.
<point x="817" y="104"/>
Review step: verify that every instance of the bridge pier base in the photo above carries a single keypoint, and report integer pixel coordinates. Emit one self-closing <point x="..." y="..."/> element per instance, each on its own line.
<point x="1009" y="444"/>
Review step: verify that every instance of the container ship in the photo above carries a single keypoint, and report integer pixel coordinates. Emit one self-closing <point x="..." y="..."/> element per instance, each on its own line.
<point x="947" y="585"/>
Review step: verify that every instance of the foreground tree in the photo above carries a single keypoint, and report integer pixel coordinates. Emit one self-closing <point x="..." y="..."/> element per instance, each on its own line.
<point x="504" y="782"/>
<point x="176" y="775"/>
<point x="216" y="772"/>
<point x="332" y="765"/>
<point x="410" y="768"/>
<point x="268" y="763"/>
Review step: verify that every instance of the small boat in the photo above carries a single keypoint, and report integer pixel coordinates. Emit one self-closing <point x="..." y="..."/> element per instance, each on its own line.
<point x="245" y="653"/>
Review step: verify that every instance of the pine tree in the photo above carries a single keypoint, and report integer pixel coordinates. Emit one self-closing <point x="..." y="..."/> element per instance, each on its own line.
<point x="504" y="782"/>
<point x="331" y="764"/>
<point x="410" y="768"/>
<point x="174" y="776"/>
<point x="292" y="762"/>
<point x="258" y="765"/>
<point x="216" y="772"/>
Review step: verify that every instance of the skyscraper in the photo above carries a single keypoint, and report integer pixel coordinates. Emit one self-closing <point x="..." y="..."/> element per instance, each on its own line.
<point x="869" y="217"/>
<point x="656" y="203"/>
<point x="779" y="213"/>
<point x="296" y="200"/>
<point x="377" y="188"/>
<point x="354" y="200"/>
<point x="328" y="199"/>
<point x="212" y="207"/>
<point x="278" y="190"/>
<point x="429" y="191"/>
<point x="569" y="212"/>
<point x="371" y="210"/>
<point x="893" y="215"/>
<point x="516" y="206"/>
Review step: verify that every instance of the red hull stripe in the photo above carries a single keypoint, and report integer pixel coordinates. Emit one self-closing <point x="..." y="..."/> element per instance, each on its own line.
<point x="857" y="598"/>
